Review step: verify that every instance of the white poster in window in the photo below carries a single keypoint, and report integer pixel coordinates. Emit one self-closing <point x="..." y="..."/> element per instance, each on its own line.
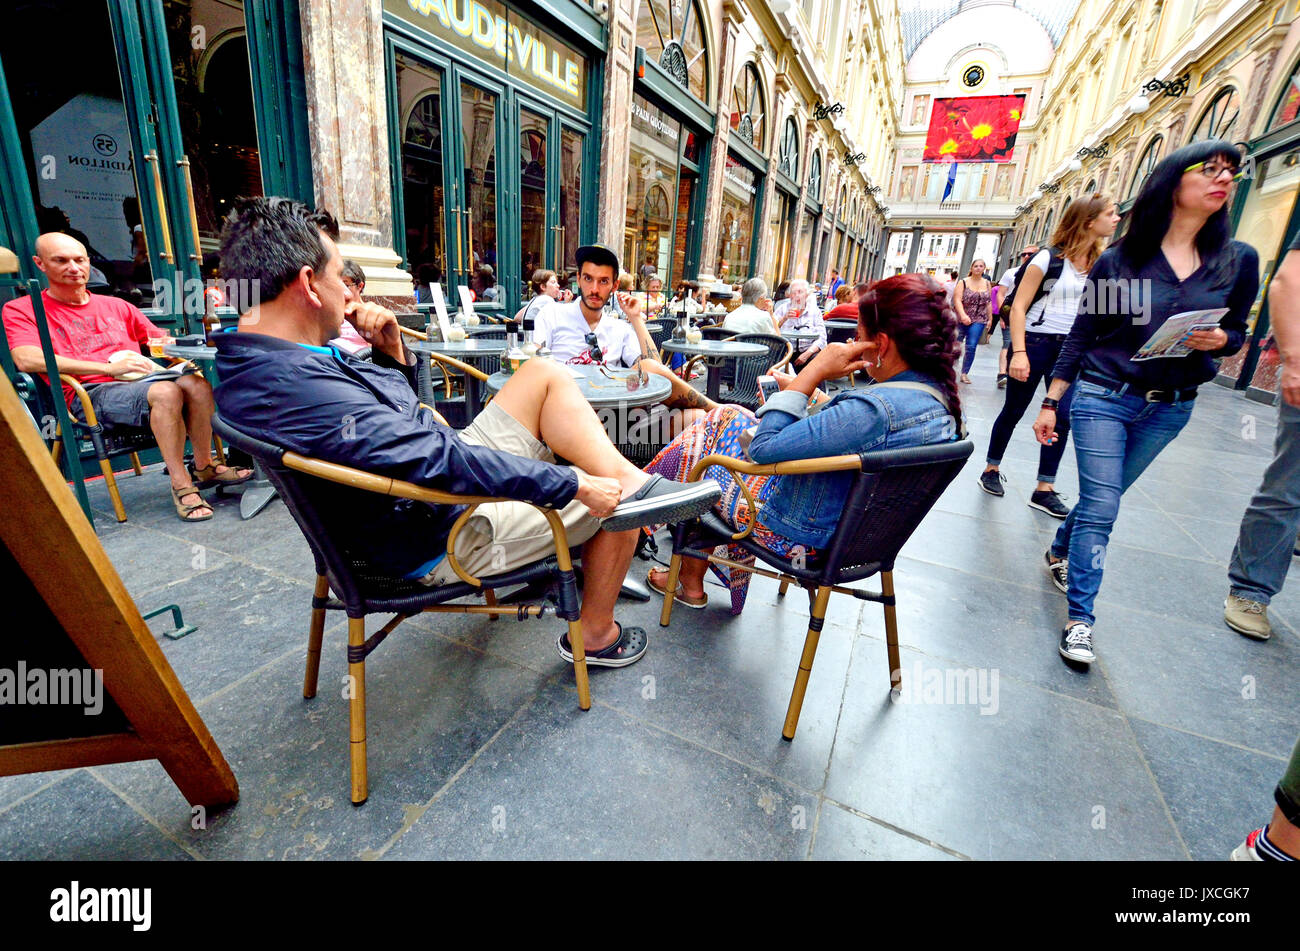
<point x="82" y="152"/>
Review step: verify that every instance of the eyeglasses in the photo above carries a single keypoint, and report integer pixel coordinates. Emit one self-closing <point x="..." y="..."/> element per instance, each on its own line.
<point x="1213" y="171"/>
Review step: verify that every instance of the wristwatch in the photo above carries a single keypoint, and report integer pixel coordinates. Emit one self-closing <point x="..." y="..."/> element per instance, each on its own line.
<point x="1049" y="403"/>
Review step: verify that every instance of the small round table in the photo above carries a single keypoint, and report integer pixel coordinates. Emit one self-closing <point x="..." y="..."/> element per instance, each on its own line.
<point x="715" y="351"/>
<point x="840" y="331"/>
<point x="620" y="388"/>
<point x="482" y="353"/>
<point x="800" y="334"/>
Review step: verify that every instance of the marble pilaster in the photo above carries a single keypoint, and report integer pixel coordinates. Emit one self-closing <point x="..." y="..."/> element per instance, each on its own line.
<point x="611" y="201"/>
<point x="733" y="14"/>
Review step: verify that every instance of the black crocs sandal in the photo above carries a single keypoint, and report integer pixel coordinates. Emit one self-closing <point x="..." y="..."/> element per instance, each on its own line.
<point x="630" y="647"/>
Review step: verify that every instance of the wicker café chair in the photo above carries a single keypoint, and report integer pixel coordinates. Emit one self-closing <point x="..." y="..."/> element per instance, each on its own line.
<point x="892" y="492"/>
<point x="744" y="384"/>
<point x="311" y="488"/>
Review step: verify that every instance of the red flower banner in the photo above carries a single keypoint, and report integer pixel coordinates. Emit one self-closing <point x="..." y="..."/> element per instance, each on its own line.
<point x="974" y="129"/>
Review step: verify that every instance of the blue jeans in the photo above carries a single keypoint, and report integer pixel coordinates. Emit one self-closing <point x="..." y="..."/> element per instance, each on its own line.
<point x="1268" y="530"/>
<point x="970" y="335"/>
<point x="1116" y="436"/>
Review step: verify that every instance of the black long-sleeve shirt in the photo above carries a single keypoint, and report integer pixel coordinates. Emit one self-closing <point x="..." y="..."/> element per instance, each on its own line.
<point x="1120" y="311"/>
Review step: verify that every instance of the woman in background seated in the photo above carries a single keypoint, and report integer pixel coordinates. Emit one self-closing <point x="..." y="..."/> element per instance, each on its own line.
<point x="907" y="343"/>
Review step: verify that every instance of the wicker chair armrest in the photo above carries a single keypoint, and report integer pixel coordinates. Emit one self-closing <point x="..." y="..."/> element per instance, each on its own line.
<point x="408" y="332"/>
<point x="436" y="415"/>
<point x="739" y="467"/>
<point x="455" y="364"/>
<point x="80" y="391"/>
<point x="398" y="488"/>
<point x="785" y="361"/>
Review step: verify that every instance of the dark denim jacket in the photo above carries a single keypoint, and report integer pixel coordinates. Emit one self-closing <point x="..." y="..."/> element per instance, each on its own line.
<point x="807" y="508"/>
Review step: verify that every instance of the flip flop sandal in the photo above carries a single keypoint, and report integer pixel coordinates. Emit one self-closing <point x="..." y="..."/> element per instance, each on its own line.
<point x="630" y="647"/>
<point x="183" y="511"/>
<point x="680" y="596"/>
<point x="208" y="476"/>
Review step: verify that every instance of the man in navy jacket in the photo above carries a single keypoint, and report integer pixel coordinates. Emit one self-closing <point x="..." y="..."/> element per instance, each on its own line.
<point x="281" y="380"/>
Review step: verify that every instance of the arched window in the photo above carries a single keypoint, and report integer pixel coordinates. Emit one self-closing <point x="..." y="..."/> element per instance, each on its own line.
<point x="1150" y="158"/>
<point x="1219" y="121"/>
<point x="672" y="34"/>
<point x="1289" y="104"/>
<point x="1091" y="188"/>
<point x="853" y="215"/>
<point x="842" y="203"/>
<point x="815" y="176"/>
<point x="748" y="110"/>
<point x="787" y="161"/>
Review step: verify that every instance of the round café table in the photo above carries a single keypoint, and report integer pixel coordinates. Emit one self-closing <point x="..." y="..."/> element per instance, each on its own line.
<point x="715" y="351"/>
<point x="613" y="388"/>
<point x="800" y="334"/>
<point x="841" y="331"/>
<point x="482" y="353"/>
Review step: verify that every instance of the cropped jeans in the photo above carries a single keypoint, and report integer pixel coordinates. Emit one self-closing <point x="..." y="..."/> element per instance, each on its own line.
<point x="1117" y="434"/>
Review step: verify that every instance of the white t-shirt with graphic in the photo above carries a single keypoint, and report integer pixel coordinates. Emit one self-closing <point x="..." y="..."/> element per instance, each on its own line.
<point x="563" y="329"/>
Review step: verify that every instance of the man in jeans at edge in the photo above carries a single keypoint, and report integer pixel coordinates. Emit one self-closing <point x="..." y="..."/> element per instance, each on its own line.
<point x="282" y="381"/>
<point x="1268" y="529"/>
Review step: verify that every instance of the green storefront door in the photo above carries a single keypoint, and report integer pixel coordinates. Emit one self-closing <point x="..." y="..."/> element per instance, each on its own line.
<point x="136" y="124"/>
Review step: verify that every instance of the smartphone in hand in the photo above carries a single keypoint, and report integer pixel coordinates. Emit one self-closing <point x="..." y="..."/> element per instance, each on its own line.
<point x="767" y="386"/>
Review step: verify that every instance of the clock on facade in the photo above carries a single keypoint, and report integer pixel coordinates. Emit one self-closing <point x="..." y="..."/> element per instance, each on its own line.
<point x="973" y="76"/>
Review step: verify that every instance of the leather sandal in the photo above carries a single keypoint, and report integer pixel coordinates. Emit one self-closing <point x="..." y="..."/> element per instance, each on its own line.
<point x="183" y="511"/>
<point x="208" y="476"/>
<point x="680" y="596"/>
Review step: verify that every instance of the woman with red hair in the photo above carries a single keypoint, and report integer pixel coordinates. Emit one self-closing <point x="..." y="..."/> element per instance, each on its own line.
<point x="907" y="343"/>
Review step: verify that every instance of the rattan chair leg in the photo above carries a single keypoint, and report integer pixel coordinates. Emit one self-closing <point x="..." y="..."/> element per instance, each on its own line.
<point x="218" y="450"/>
<point x="580" y="665"/>
<point x="674" y="569"/>
<point x="315" y="635"/>
<point x="806" y="661"/>
<point x="135" y="463"/>
<point x="111" y="482"/>
<point x="357" y="712"/>
<point x="490" y="599"/>
<point x="891" y="632"/>
<point x="785" y="586"/>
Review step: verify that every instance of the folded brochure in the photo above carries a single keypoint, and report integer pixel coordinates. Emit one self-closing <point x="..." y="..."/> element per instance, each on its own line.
<point x="1168" y="340"/>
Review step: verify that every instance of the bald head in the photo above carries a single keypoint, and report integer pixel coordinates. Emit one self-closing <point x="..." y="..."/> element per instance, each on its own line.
<point x="57" y="243"/>
<point x="65" y="263"/>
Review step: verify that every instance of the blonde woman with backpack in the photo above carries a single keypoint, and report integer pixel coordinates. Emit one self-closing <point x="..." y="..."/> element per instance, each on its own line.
<point x="1043" y="309"/>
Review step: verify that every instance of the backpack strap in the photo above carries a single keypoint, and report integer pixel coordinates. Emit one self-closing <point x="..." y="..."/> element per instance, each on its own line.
<point x="925" y="388"/>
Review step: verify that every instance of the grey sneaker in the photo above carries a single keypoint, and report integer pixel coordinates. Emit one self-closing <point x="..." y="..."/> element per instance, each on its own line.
<point x="662" y="501"/>
<point x="1247" y="617"/>
<point x="1076" y="643"/>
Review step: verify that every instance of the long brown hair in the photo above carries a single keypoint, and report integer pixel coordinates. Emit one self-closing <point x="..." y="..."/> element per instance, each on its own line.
<point x="1072" y="235"/>
<point x="914" y="310"/>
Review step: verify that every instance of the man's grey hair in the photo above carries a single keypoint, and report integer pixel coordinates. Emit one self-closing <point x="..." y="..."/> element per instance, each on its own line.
<point x="797" y="283"/>
<point x="753" y="290"/>
<point x="351" y="269"/>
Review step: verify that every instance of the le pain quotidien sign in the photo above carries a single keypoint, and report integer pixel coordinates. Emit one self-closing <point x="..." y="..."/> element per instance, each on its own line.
<point x="504" y="39"/>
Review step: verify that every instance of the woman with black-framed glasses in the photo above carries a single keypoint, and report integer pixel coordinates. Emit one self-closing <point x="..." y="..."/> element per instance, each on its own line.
<point x="1176" y="255"/>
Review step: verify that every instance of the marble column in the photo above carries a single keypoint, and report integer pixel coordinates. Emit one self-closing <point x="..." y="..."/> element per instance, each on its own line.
<point x="347" y="121"/>
<point x="611" y="199"/>
<point x="733" y="14"/>
<point x="767" y="250"/>
<point x="1265" y="48"/>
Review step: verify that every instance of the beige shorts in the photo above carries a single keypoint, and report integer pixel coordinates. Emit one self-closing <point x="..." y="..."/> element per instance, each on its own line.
<point x="503" y="536"/>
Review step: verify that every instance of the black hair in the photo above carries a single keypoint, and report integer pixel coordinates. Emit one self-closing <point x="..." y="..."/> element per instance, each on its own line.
<point x="266" y="242"/>
<point x="1153" y="211"/>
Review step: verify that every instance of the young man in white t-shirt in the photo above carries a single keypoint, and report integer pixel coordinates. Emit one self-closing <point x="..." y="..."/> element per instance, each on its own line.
<point x="566" y="330"/>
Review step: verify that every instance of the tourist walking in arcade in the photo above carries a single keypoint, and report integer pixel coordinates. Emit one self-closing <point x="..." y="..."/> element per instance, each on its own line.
<point x="1176" y="256"/>
<point x="971" y="299"/>
<point x="1042" y="314"/>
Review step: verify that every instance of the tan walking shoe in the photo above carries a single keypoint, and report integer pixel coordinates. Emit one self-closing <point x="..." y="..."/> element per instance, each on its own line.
<point x="1247" y="617"/>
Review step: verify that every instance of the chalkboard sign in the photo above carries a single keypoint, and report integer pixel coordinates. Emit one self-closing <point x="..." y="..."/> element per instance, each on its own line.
<point x="82" y="680"/>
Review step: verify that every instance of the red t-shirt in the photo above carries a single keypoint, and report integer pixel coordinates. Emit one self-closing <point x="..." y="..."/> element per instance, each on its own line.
<point x="846" y="311"/>
<point x="91" y="331"/>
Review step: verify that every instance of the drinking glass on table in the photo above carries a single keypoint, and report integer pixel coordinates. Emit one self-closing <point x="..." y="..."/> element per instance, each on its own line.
<point x="157" y="342"/>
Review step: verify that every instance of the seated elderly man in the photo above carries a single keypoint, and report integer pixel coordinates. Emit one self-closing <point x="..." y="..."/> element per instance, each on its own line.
<point x="584" y="331"/>
<point x="88" y="332"/>
<point x="754" y="315"/>
<point x="282" y="380"/>
<point x="799" y="312"/>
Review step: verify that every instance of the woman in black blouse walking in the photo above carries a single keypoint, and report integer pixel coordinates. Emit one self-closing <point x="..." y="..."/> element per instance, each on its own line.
<point x="1177" y="255"/>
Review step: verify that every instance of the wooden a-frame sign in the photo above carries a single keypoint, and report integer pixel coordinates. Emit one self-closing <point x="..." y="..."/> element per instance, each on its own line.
<point x="72" y="611"/>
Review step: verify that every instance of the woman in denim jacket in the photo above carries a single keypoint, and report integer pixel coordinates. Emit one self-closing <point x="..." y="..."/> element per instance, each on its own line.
<point x="907" y="340"/>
